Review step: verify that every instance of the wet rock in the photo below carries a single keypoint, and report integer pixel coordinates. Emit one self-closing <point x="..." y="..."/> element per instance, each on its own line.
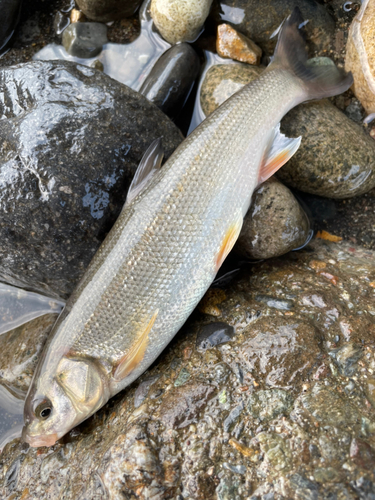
<point x="84" y="40"/>
<point x="360" y="55"/>
<point x="274" y="224"/>
<point x="108" y="10"/>
<point x="20" y="349"/>
<point x="10" y="12"/>
<point x="63" y="172"/>
<point x="233" y="45"/>
<point x="259" y="20"/>
<point x="335" y="165"/>
<point x="268" y="404"/>
<point x="308" y="437"/>
<point x="347" y="357"/>
<point x="181" y="407"/>
<point x="222" y="81"/>
<point x="213" y="334"/>
<point x="171" y="79"/>
<point x="180" y="21"/>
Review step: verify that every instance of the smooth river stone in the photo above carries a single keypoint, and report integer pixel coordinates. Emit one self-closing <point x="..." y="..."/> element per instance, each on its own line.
<point x="336" y="158"/>
<point x="171" y="79"/>
<point x="259" y="20"/>
<point x="84" y="40"/>
<point x="71" y="139"/>
<point x="108" y="10"/>
<point x="10" y="13"/>
<point x="360" y="55"/>
<point x="274" y="224"/>
<point x="180" y="21"/>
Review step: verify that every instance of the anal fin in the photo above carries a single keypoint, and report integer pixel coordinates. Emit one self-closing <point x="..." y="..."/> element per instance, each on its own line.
<point x="136" y="353"/>
<point x="228" y="242"/>
<point x="280" y="150"/>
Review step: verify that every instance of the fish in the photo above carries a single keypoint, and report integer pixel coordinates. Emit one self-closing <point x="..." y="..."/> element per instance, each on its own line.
<point x="178" y="224"/>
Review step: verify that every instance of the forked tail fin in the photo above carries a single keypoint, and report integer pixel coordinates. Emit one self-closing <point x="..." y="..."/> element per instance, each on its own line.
<point x="290" y="53"/>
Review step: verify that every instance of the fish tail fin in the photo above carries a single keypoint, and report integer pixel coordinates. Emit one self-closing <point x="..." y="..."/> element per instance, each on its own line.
<point x="290" y="53"/>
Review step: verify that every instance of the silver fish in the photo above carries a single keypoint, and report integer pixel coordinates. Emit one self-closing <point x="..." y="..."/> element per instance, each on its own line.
<point x="178" y="225"/>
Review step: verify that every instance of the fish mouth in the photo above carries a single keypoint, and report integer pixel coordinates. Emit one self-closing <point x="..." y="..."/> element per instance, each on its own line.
<point x="38" y="441"/>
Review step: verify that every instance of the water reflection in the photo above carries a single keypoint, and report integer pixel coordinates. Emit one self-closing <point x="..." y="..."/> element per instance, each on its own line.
<point x="129" y="63"/>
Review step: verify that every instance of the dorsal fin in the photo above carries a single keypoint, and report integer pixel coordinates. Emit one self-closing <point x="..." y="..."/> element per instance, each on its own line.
<point x="279" y="151"/>
<point x="147" y="168"/>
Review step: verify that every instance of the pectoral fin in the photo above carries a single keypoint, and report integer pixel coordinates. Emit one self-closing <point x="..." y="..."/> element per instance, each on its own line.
<point x="229" y="240"/>
<point x="147" y="168"/>
<point x="281" y="149"/>
<point x="136" y="353"/>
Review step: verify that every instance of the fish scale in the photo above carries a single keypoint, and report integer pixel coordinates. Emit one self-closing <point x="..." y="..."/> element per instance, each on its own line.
<point x="167" y="244"/>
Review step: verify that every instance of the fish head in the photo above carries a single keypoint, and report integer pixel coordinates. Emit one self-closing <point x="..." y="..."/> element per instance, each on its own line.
<point x="59" y="401"/>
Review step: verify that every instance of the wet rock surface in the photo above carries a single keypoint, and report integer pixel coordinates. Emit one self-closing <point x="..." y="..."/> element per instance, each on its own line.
<point x="10" y="12"/>
<point x="328" y="164"/>
<point x="84" y="39"/>
<point x="233" y="45"/>
<point x="170" y="81"/>
<point x="258" y="20"/>
<point x="108" y="10"/>
<point x="274" y="224"/>
<point x="284" y="409"/>
<point x="180" y="21"/>
<point x="63" y="187"/>
<point x="360" y="55"/>
<point x="223" y="80"/>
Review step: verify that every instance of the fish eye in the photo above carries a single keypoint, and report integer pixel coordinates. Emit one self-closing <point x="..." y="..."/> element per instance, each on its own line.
<point x="43" y="410"/>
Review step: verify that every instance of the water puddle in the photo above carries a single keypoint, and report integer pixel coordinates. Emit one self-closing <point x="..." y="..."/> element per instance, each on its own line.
<point x="127" y="63"/>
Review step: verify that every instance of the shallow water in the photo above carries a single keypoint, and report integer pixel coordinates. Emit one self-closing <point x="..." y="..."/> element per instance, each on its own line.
<point x="127" y="63"/>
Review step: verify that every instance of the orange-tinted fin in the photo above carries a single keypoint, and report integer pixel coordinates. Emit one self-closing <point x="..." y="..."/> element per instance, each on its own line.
<point x="229" y="240"/>
<point x="135" y="354"/>
<point x="281" y="149"/>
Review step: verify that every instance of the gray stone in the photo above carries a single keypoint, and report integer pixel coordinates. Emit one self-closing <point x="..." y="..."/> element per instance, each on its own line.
<point x="71" y="140"/>
<point x="10" y="13"/>
<point x="258" y="20"/>
<point x="336" y="158"/>
<point x="171" y="79"/>
<point x="108" y="10"/>
<point x="84" y="40"/>
<point x="213" y="334"/>
<point x="180" y="21"/>
<point x="274" y="224"/>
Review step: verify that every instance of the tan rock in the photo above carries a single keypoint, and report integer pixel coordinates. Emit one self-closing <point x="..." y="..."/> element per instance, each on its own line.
<point x="234" y="45"/>
<point x="360" y="55"/>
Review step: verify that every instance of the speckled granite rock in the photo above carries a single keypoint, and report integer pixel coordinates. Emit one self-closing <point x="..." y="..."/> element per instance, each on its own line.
<point x="274" y="224"/>
<point x="258" y="20"/>
<point x="108" y="10"/>
<point x="171" y="79"/>
<point x="71" y="140"/>
<point x="233" y="45"/>
<point x="336" y="158"/>
<point x="360" y="55"/>
<point x="222" y="81"/>
<point x="180" y="21"/>
<point x="10" y="12"/>
<point x="84" y="39"/>
<point x="272" y="413"/>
